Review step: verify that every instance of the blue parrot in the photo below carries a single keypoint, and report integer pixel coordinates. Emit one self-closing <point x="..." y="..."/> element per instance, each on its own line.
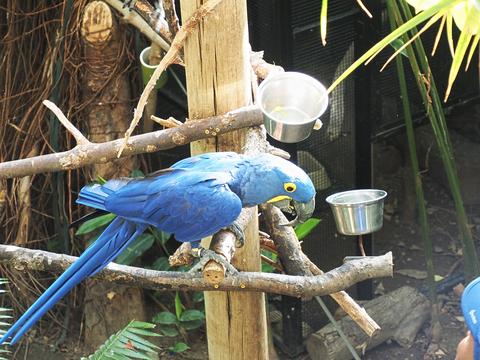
<point x="194" y="198"/>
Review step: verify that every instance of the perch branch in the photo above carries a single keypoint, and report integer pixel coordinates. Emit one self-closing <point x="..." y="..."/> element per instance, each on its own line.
<point x="80" y="139"/>
<point x="224" y="243"/>
<point x="296" y="262"/>
<point x="299" y="286"/>
<point x="136" y="20"/>
<point x="154" y="16"/>
<point x="168" y="123"/>
<point x="96" y="153"/>
<point x="260" y="67"/>
<point x="170" y="57"/>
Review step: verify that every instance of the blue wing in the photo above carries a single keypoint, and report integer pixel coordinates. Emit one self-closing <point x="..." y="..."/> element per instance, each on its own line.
<point x="189" y="204"/>
<point x="218" y="161"/>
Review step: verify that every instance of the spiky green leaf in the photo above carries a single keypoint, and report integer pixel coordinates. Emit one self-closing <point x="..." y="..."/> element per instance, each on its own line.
<point x="127" y="344"/>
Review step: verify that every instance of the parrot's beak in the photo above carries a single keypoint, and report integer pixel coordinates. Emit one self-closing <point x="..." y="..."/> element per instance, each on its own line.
<point x="303" y="211"/>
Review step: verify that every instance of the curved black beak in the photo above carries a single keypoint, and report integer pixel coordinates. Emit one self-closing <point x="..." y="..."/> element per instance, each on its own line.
<point x="304" y="211"/>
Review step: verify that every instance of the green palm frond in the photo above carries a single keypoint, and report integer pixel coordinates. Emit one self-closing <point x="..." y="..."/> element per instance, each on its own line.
<point x="128" y="343"/>
<point x="465" y="14"/>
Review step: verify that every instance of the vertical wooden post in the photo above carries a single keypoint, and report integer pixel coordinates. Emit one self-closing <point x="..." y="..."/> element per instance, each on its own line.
<point x="218" y="80"/>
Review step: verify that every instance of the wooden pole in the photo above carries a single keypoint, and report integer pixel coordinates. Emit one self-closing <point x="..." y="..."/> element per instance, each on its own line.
<point x="218" y="80"/>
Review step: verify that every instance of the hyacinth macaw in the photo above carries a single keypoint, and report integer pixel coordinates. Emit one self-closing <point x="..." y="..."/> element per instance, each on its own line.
<point x="194" y="198"/>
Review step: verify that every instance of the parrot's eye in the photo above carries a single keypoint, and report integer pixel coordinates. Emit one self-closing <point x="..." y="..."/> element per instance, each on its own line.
<point x="290" y="187"/>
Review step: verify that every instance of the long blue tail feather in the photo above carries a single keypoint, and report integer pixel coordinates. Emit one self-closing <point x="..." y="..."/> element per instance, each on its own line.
<point x="116" y="237"/>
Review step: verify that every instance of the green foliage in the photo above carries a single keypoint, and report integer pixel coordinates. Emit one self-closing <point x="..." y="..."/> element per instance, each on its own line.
<point x="161" y="264"/>
<point x="302" y="230"/>
<point x="128" y="343"/>
<point x="183" y="320"/>
<point x="179" y="347"/>
<point x="272" y="256"/>
<point x="136" y="249"/>
<point x="170" y="323"/>
<point x="95" y="224"/>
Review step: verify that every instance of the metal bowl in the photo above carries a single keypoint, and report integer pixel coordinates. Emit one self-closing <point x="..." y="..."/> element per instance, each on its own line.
<point x="291" y="102"/>
<point x="358" y="212"/>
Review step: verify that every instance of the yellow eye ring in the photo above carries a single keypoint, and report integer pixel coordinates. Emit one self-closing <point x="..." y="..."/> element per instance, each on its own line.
<point x="290" y="187"/>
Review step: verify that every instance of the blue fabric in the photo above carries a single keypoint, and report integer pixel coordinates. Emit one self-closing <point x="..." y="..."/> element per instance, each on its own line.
<point x="193" y="199"/>
<point x="471" y="312"/>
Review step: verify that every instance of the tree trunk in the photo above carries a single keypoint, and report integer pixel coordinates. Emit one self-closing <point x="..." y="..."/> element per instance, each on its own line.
<point x="107" y="307"/>
<point x="218" y="80"/>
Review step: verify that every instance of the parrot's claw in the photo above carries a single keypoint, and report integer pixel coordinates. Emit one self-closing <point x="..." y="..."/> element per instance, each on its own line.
<point x="207" y="255"/>
<point x="239" y="234"/>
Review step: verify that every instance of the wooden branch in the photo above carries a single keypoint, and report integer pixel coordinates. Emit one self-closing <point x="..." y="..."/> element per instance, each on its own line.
<point x="154" y="16"/>
<point x="136" y="20"/>
<point x="296" y="262"/>
<point x="224" y="243"/>
<point x="170" y="57"/>
<point x="260" y="67"/>
<point x="168" y="123"/>
<point x="79" y="138"/>
<point x="333" y="281"/>
<point x="96" y="153"/>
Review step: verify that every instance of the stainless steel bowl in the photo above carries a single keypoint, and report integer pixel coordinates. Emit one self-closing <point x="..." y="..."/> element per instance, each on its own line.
<point x="358" y="212"/>
<point x="291" y="102"/>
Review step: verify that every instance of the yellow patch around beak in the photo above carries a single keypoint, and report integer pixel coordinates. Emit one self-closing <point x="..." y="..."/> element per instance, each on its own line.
<point x="278" y="198"/>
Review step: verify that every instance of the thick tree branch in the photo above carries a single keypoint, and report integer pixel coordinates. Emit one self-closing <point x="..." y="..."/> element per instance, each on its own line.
<point x="134" y="18"/>
<point x="299" y="286"/>
<point x="296" y="262"/>
<point x="260" y="67"/>
<point x="96" y="153"/>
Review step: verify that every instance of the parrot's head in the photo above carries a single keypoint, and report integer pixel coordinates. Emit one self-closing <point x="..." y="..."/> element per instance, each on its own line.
<point x="269" y="178"/>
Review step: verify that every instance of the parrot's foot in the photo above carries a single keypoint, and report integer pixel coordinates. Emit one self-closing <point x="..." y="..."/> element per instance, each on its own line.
<point x="207" y="255"/>
<point x="239" y="234"/>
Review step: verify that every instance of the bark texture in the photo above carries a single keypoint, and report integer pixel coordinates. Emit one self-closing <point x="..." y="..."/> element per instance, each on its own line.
<point x="98" y="153"/>
<point x="300" y="286"/>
